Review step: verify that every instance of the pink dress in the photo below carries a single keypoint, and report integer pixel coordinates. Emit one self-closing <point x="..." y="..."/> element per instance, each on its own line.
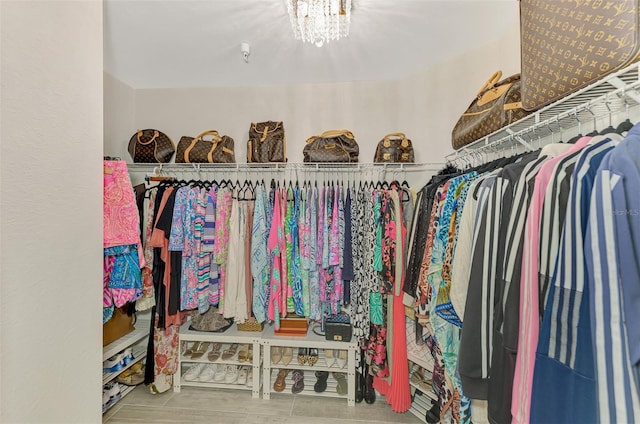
<point x="276" y="247"/>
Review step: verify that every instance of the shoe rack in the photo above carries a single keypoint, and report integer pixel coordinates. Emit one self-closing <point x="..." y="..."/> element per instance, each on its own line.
<point x="422" y="394"/>
<point x="137" y="340"/>
<point x="313" y="341"/>
<point x="226" y="338"/>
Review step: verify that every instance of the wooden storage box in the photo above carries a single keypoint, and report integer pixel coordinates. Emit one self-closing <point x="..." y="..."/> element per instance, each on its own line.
<point x="293" y="326"/>
<point x="119" y="325"/>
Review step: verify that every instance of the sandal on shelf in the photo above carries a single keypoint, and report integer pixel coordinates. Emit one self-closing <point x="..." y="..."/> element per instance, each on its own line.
<point x="132" y="376"/>
<point x="321" y="384"/>
<point x="303" y="355"/>
<point x="190" y="348"/>
<point x="243" y="354"/>
<point x="313" y="356"/>
<point x="281" y="382"/>
<point x="230" y="352"/>
<point x="341" y="357"/>
<point x="215" y="353"/>
<point x="276" y="354"/>
<point x="200" y="349"/>
<point x="342" y="387"/>
<point x="298" y="381"/>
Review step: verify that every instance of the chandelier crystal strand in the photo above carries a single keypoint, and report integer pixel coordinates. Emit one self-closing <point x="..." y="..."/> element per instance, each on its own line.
<point x="320" y="21"/>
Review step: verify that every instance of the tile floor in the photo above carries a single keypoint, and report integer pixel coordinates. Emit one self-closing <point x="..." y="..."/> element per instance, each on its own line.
<point x="196" y="405"/>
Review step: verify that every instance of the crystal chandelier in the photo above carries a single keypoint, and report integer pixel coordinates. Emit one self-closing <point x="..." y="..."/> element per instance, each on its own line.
<point x="320" y="21"/>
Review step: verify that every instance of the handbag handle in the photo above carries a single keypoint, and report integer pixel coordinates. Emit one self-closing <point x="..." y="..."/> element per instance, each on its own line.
<point x="388" y="137"/>
<point x="266" y="129"/>
<point x="335" y="133"/>
<point x="495" y="78"/>
<point x="155" y="135"/>
<point x="215" y="141"/>
<point x="214" y="133"/>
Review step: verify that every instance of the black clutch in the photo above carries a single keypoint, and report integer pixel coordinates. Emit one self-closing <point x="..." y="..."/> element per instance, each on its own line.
<point x="338" y="328"/>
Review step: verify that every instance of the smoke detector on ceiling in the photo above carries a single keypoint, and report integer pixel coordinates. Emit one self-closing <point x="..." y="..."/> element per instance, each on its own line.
<point x="245" y="48"/>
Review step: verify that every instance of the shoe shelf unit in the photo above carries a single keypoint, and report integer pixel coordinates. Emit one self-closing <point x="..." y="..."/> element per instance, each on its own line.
<point x="313" y="341"/>
<point x="226" y="338"/>
<point x="137" y="340"/>
<point x="419" y="356"/>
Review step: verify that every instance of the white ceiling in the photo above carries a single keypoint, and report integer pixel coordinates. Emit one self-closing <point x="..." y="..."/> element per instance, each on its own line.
<point x="185" y="43"/>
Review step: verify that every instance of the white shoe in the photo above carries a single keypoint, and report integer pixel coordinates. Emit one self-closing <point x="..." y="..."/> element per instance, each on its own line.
<point x="220" y="374"/>
<point x="329" y="358"/>
<point x="231" y="375"/>
<point x="127" y="355"/>
<point x="115" y="363"/>
<point x="193" y="372"/>
<point x="208" y="372"/>
<point x="249" y="378"/>
<point x="340" y="357"/>
<point x="110" y="395"/>
<point x="242" y="376"/>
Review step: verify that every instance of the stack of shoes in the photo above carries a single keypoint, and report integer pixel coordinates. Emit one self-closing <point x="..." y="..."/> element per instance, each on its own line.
<point x="118" y="361"/>
<point x="132" y="376"/>
<point x="110" y="395"/>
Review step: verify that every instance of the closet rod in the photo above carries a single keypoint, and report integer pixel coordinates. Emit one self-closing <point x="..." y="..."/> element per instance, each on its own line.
<point x="277" y="167"/>
<point x="618" y="90"/>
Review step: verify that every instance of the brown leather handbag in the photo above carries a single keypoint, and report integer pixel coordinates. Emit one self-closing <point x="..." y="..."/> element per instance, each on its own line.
<point x="332" y="146"/>
<point x="394" y="148"/>
<point x="567" y="45"/>
<point x="198" y="150"/>
<point x="496" y="105"/>
<point x="151" y="146"/>
<point x="267" y="143"/>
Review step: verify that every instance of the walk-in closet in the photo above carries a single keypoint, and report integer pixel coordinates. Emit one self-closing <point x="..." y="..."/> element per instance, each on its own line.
<point x="319" y="211"/>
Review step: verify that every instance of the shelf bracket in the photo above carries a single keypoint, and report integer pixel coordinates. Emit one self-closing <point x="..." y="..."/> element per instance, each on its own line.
<point x="620" y="85"/>
<point x="519" y="139"/>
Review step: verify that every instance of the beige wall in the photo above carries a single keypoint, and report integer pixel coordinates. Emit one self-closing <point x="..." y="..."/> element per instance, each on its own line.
<point x="425" y="106"/>
<point x="51" y="208"/>
<point x="365" y="108"/>
<point x="436" y="97"/>
<point x="119" y="116"/>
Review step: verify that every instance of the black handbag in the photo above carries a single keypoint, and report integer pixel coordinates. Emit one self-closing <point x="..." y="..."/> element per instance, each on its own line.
<point x="338" y="328"/>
